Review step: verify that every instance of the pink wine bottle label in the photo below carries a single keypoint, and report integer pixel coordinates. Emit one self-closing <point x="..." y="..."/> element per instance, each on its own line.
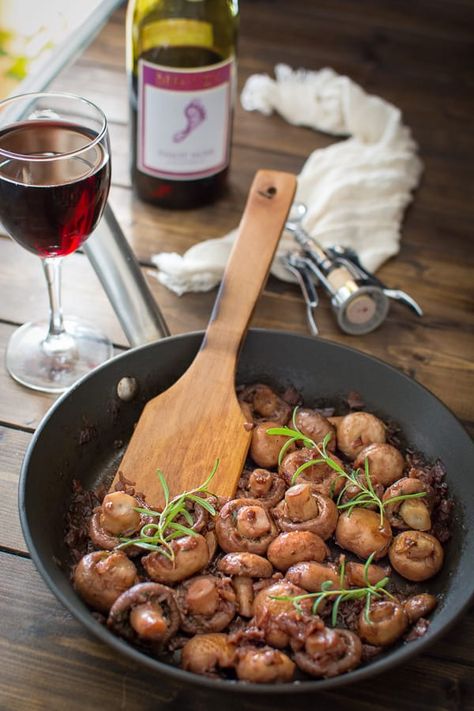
<point x="184" y="118"/>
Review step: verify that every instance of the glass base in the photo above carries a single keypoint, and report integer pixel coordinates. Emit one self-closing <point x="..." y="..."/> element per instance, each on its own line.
<point x="52" y="366"/>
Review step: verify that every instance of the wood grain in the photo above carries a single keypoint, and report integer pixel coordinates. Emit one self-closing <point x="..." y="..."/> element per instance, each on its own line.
<point x="201" y="410"/>
<point x="418" y="55"/>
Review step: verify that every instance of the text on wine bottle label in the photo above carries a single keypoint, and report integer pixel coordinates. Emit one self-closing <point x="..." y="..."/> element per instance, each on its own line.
<point x="184" y="119"/>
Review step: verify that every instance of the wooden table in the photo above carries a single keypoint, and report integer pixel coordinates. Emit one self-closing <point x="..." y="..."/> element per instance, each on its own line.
<point x="415" y="55"/>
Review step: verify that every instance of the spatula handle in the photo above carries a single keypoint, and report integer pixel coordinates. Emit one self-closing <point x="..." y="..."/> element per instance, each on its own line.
<point x="268" y="203"/>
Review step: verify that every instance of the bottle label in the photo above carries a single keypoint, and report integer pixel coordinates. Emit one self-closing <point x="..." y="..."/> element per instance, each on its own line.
<point x="184" y="118"/>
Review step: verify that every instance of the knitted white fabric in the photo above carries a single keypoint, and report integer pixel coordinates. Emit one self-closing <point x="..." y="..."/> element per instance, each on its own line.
<point x="356" y="190"/>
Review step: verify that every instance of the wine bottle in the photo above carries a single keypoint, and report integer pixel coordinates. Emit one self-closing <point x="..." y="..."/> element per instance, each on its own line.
<point x="182" y="73"/>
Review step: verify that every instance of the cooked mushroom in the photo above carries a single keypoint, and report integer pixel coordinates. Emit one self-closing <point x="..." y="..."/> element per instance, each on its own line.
<point x="269" y="611"/>
<point x="416" y="555"/>
<point x="320" y="475"/>
<point x="408" y="513"/>
<point x="311" y="575"/>
<point x="358" y="429"/>
<point x="146" y="612"/>
<point x="354" y="488"/>
<point x="206" y="603"/>
<point x="360" y="532"/>
<point x="199" y="514"/>
<point x="304" y="509"/>
<point x="387" y="622"/>
<point x="295" y="546"/>
<point x="265" y="404"/>
<point x="356" y="573"/>
<point x="243" y="567"/>
<point x="100" y="577"/>
<point x="420" y="605"/>
<point x="118" y="514"/>
<point x="245" y="525"/>
<point x="211" y="540"/>
<point x="329" y="652"/>
<point x="264" y="448"/>
<point x="263" y="665"/>
<point x="191" y="555"/>
<point x="205" y="653"/>
<point x="385" y="462"/>
<point x="115" y="517"/>
<point x="315" y="426"/>
<point x="268" y="487"/>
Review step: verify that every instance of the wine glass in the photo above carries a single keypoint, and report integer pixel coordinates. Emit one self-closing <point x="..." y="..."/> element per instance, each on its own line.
<point x="54" y="182"/>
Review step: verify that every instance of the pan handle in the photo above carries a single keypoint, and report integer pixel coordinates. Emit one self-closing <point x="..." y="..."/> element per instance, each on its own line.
<point x="262" y="223"/>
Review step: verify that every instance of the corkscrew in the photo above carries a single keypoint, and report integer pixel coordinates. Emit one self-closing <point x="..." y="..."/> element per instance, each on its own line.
<point x="359" y="299"/>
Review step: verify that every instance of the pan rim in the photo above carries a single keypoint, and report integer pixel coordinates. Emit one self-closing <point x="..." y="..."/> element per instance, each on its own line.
<point x="81" y="613"/>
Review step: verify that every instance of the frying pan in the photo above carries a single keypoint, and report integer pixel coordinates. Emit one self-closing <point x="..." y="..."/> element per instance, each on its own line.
<point x="83" y="435"/>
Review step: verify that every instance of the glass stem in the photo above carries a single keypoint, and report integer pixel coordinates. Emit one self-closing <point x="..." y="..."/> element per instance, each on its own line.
<point x="58" y="341"/>
<point x="52" y="272"/>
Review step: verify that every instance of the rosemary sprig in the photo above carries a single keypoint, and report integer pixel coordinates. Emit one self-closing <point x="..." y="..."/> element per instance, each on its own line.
<point x="366" y="495"/>
<point x="342" y="594"/>
<point x="159" y="536"/>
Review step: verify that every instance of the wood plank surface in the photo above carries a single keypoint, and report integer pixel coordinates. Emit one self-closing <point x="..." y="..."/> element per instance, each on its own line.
<point x="418" y="55"/>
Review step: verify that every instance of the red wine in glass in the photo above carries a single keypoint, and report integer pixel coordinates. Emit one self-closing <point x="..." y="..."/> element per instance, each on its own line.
<point x="54" y="183"/>
<point x="51" y="208"/>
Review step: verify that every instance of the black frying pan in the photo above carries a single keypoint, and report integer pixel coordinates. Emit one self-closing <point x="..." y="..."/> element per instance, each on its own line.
<point x="79" y="439"/>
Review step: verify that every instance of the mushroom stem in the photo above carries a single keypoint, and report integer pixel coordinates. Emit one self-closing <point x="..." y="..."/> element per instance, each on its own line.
<point x="260" y="482"/>
<point x="252" y="521"/>
<point x="148" y="622"/>
<point x="301" y="505"/>
<point x="244" y="591"/>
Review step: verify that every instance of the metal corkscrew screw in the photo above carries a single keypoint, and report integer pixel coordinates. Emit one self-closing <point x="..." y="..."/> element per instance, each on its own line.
<point x="359" y="300"/>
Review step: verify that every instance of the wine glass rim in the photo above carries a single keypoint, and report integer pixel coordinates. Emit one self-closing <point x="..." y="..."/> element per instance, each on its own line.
<point x="60" y="156"/>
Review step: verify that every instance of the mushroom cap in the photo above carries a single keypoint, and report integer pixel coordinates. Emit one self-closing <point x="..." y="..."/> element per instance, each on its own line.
<point x="248" y="564"/>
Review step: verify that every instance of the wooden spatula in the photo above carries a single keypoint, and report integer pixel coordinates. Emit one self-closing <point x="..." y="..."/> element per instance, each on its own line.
<point x="184" y="430"/>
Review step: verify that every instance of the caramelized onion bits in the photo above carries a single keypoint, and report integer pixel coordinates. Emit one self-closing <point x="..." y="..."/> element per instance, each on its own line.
<point x="263" y="665"/>
<point x="245" y="525"/>
<point x="295" y="546"/>
<point x="191" y="555"/>
<point x="420" y="605"/>
<point x="268" y="611"/>
<point x="268" y="487"/>
<point x="304" y="509"/>
<point x="356" y="573"/>
<point x="102" y="576"/>
<point x="265" y="404"/>
<point x="146" y="612"/>
<point x="206" y="653"/>
<point x="361" y="533"/>
<point x="357" y="430"/>
<point x="409" y="513"/>
<point x="320" y="475"/>
<point x="329" y="652"/>
<point x="206" y="604"/>
<point x="315" y="426"/>
<point x="311" y="575"/>
<point x="387" y="622"/>
<point x="385" y="462"/>
<point x="265" y="448"/>
<point x="243" y="567"/>
<point x="416" y="555"/>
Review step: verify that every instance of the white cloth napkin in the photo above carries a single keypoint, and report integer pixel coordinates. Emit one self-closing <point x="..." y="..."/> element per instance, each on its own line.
<point x="355" y="190"/>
